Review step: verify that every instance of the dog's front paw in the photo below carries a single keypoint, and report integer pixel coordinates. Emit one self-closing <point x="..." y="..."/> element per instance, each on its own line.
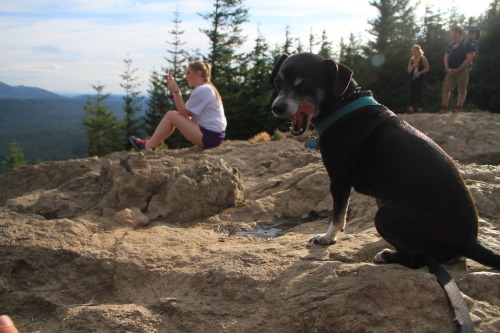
<point x="322" y="240"/>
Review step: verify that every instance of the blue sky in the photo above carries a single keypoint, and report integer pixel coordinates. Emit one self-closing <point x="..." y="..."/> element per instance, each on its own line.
<point x="70" y="45"/>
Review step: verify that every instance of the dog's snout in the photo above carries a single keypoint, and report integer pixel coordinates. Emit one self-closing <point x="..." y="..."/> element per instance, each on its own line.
<point x="278" y="108"/>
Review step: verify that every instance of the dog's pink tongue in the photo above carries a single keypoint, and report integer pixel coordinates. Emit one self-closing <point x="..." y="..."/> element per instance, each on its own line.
<point x="298" y="118"/>
<point x="306" y="108"/>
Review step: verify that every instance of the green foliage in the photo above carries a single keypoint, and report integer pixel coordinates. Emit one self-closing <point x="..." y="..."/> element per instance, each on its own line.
<point x="177" y="63"/>
<point x="484" y="83"/>
<point x="15" y="158"/>
<point x="132" y="104"/>
<point x="325" y="49"/>
<point x="229" y="69"/>
<point x="101" y="125"/>
<point x="178" y="56"/>
<point x="248" y="106"/>
<point x="46" y="129"/>
<point x="225" y="37"/>
<point x="395" y="31"/>
<point x="158" y="102"/>
<point x="278" y="135"/>
<point x="351" y="55"/>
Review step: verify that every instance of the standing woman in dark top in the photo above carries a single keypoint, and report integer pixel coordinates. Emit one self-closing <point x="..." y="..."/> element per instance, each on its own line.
<point x="417" y="67"/>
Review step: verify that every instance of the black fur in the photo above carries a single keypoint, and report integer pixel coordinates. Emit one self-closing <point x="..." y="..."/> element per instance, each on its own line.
<point x="425" y="209"/>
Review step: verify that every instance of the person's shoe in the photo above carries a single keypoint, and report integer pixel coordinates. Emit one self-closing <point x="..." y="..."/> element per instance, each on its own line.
<point x="444" y="109"/>
<point x="458" y="109"/>
<point x="137" y="143"/>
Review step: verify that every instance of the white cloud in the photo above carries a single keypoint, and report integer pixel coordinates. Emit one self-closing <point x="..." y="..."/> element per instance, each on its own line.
<point x="72" y="44"/>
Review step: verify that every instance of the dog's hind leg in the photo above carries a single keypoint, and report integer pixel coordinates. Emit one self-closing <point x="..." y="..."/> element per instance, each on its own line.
<point x="396" y="228"/>
<point x="340" y="206"/>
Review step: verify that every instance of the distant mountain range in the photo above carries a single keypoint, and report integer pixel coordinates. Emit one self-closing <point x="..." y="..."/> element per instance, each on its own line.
<point x="46" y="125"/>
<point x="23" y="92"/>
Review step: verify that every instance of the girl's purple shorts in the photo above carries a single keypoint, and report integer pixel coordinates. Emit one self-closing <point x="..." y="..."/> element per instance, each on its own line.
<point x="211" y="139"/>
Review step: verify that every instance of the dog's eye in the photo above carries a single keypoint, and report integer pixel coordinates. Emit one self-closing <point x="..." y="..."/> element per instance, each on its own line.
<point x="277" y="83"/>
<point x="304" y="85"/>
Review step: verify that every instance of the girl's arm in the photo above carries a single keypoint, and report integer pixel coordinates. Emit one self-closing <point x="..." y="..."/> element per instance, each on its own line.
<point x="426" y="66"/>
<point x="179" y="102"/>
<point x="410" y="66"/>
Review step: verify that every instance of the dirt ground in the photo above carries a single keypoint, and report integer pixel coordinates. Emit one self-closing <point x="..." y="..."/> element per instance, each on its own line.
<point x="217" y="241"/>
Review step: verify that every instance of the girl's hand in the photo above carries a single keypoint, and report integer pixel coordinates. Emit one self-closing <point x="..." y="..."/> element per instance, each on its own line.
<point x="171" y="84"/>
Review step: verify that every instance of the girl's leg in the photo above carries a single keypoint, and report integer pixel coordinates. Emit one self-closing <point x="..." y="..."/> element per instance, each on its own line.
<point x="419" y="86"/>
<point x="412" y="96"/>
<point x="171" y="121"/>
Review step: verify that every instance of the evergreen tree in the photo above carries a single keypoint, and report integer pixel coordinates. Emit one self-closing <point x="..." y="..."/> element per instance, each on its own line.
<point x="456" y="19"/>
<point x="131" y="105"/>
<point x="177" y="63"/>
<point x="351" y="55"/>
<point x="325" y="49"/>
<point x="394" y="27"/>
<point x="178" y="56"/>
<point x="300" y="47"/>
<point x="287" y="46"/>
<point x="256" y="95"/>
<point x="158" y="102"/>
<point x="15" y="158"/>
<point x="312" y="42"/>
<point x="395" y="31"/>
<point x="102" y="127"/>
<point x="484" y="85"/>
<point x="433" y="38"/>
<point x="225" y="37"/>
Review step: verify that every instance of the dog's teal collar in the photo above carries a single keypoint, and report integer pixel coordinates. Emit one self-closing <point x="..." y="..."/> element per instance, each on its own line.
<point x="346" y="109"/>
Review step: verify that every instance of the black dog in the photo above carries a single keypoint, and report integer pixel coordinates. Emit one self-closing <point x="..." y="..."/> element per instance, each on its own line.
<point x="425" y="209"/>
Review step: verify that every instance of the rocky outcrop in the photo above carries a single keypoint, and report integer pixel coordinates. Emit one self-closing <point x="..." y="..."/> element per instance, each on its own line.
<point x="127" y="183"/>
<point x="165" y="242"/>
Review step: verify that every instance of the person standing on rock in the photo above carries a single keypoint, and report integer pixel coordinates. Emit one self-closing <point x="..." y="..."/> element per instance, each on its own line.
<point x="417" y="67"/>
<point x="459" y="54"/>
<point x="201" y="119"/>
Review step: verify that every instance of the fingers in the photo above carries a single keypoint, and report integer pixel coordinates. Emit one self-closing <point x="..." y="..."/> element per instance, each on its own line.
<point x="6" y="325"/>
<point x="171" y="84"/>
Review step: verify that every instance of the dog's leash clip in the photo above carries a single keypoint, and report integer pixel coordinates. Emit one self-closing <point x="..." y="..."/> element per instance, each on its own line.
<point x="312" y="142"/>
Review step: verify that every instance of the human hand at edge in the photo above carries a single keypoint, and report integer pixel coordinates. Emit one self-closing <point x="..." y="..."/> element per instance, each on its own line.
<point x="7" y="326"/>
<point x="171" y="84"/>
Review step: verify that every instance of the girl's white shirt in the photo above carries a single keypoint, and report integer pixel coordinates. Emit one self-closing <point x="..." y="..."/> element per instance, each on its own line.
<point x="206" y="110"/>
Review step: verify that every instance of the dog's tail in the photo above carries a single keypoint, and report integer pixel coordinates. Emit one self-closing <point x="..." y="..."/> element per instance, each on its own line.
<point x="479" y="252"/>
<point x="462" y="316"/>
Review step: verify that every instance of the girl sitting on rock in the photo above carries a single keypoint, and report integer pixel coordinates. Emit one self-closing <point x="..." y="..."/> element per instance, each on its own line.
<point x="201" y="119"/>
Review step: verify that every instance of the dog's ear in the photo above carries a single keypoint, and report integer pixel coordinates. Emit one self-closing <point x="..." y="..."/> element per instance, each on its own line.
<point x="277" y="68"/>
<point x="340" y="76"/>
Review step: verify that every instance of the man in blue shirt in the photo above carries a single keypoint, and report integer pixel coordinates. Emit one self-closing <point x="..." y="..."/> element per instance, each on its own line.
<point x="459" y="54"/>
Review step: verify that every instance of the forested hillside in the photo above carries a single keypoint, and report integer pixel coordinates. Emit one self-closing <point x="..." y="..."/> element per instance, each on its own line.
<point x="46" y="126"/>
<point x="46" y="129"/>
